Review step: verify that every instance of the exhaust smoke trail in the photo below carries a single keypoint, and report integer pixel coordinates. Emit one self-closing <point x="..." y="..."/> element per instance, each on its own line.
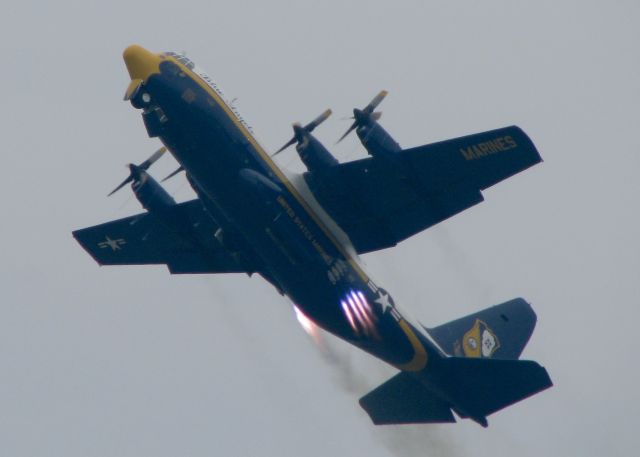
<point x="357" y="374"/>
<point x="463" y="265"/>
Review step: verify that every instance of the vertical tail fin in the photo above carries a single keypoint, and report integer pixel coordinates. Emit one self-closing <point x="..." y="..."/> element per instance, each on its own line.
<point x="498" y="332"/>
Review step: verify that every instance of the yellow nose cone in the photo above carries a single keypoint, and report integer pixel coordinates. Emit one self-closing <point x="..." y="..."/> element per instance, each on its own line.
<point x="140" y="62"/>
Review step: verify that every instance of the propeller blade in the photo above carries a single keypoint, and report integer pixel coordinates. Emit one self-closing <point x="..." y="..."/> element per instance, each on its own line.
<point x="180" y="168"/>
<point x="317" y="121"/>
<point x="289" y="143"/>
<point x="353" y="126"/>
<point x="365" y="115"/>
<point x="122" y="184"/>
<point x="135" y="170"/>
<point x="375" y="102"/>
<point x="300" y="132"/>
<point x="151" y="160"/>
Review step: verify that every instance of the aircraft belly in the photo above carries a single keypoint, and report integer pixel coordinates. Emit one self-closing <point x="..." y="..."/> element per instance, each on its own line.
<point x="307" y="261"/>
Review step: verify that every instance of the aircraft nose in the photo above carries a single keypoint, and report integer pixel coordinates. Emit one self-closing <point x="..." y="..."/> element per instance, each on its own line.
<point x="140" y="62"/>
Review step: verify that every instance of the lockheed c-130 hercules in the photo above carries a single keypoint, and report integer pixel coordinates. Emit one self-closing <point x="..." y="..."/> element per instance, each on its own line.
<point x="303" y="233"/>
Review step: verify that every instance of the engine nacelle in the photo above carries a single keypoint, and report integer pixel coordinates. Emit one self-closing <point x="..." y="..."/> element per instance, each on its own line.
<point x="149" y="192"/>
<point x="376" y="140"/>
<point x="314" y="155"/>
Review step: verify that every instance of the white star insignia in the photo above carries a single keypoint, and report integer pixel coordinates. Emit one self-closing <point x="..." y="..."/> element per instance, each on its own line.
<point x="383" y="300"/>
<point x="113" y="244"/>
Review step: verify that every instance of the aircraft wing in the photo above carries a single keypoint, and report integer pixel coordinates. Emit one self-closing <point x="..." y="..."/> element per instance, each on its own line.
<point x="379" y="201"/>
<point x="186" y="247"/>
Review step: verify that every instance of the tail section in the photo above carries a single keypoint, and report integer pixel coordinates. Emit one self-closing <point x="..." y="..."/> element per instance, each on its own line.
<point x="478" y="387"/>
<point x="483" y="376"/>
<point x="498" y="332"/>
<point x="473" y="388"/>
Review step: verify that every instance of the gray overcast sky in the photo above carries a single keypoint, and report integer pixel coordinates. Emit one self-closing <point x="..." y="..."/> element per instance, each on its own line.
<point x="134" y="362"/>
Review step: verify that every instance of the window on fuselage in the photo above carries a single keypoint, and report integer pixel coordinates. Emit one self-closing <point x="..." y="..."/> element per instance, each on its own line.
<point x="184" y="60"/>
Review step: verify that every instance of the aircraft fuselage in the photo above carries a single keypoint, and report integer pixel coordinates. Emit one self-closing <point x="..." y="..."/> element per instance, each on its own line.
<point x="307" y="255"/>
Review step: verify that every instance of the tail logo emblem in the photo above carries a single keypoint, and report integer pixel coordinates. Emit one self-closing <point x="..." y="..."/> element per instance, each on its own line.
<point x="480" y="341"/>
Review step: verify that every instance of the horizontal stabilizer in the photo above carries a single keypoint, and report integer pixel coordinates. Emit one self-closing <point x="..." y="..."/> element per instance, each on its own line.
<point x="403" y="400"/>
<point x="479" y="387"/>
<point x="498" y="332"/>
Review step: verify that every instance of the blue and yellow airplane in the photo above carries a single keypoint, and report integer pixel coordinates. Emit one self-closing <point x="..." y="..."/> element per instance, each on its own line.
<point x="303" y="234"/>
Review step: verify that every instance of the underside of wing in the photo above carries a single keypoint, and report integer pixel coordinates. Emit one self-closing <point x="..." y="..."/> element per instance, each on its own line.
<point x="186" y="246"/>
<point x="379" y="202"/>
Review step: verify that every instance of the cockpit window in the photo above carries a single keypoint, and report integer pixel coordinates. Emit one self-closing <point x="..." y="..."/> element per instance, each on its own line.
<point x="183" y="59"/>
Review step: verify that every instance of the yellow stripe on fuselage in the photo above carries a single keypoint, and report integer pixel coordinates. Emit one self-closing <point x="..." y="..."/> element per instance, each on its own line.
<point x="420" y="357"/>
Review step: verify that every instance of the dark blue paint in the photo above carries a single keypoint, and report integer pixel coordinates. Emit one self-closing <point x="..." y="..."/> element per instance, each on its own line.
<point x="262" y="225"/>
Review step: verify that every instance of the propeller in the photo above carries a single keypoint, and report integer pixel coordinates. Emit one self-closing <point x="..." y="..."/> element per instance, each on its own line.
<point x="299" y="131"/>
<point x="175" y="172"/>
<point x="365" y="115"/>
<point x="134" y="170"/>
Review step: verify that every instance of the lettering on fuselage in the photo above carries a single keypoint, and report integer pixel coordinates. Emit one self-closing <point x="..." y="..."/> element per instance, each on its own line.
<point x="211" y="83"/>
<point x="486" y="148"/>
<point x="304" y="229"/>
